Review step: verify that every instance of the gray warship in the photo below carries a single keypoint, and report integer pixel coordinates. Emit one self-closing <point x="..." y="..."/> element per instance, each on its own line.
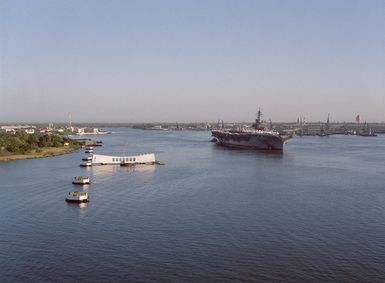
<point x="256" y="137"/>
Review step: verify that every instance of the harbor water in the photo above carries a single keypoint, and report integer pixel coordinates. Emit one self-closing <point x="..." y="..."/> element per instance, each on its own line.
<point x="314" y="213"/>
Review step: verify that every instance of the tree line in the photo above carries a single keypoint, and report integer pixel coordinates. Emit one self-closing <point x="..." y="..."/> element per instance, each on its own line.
<point x="22" y="143"/>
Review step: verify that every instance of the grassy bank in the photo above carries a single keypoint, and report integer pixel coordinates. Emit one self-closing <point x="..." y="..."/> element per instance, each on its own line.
<point x="40" y="153"/>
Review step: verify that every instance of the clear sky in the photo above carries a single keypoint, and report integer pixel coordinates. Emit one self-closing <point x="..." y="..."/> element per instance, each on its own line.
<point x="191" y="60"/>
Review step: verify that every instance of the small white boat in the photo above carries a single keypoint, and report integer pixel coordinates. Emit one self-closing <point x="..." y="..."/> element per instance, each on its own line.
<point x="81" y="180"/>
<point x="86" y="164"/>
<point x="89" y="148"/>
<point x="87" y="158"/>
<point x="89" y="151"/>
<point x="77" y="197"/>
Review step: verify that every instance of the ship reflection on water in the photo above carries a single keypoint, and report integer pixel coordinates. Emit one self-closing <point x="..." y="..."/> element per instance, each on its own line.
<point x="83" y="205"/>
<point x="102" y="170"/>
<point x="79" y="207"/>
<point x="106" y="169"/>
<point x="146" y="169"/>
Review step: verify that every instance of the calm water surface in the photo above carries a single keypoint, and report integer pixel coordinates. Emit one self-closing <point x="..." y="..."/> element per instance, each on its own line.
<point x="315" y="213"/>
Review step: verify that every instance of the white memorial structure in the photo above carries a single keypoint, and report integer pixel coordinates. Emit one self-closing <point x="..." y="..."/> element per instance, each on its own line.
<point x="148" y="158"/>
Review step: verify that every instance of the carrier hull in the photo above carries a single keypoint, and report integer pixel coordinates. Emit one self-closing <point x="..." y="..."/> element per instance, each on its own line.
<point x="245" y="140"/>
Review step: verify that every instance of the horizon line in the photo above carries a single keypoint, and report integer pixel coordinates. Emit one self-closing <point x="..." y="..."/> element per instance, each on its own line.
<point x="190" y="122"/>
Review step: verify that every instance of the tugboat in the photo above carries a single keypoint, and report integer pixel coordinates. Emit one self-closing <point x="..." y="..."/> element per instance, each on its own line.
<point x="87" y="158"/>
<point x="77" y="197"/>
<point x="258" y="137"/>
<point x="86" y="164"/>
<point x="367" y="131"/>
<point x="81" y="180"/>
<point x="325" y="130"/>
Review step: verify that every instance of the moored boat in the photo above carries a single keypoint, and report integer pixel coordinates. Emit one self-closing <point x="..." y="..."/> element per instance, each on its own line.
<point x="86" y="164"/>
<point x="367" y="131"/>
<point x="92" y="143"/>
<point x="81" y="180"/>
<point x="77" y="197"/>
<point x="87" y="158"/>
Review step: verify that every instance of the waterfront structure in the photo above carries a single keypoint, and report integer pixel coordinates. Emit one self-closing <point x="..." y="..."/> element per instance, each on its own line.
<point x="157" y="127"/>
<point x="90" y="131"/>
<point x="258" y="137"/>
<point x="148" y="158"/>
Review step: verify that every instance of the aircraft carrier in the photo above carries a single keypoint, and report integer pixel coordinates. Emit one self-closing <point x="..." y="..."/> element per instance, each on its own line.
<point x="256" y="137"/>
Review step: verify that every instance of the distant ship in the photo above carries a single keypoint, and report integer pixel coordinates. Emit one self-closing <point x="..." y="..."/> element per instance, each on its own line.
<point x="258" y="137"/>
<point x="325" y="130"/>
<point x="366" y="131"/>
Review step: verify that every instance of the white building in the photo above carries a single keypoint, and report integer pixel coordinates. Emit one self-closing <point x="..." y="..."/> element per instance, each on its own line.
<point x="9" y="130"/>
<point x="30" y="131"/>
<point x="98" y="159"/>
<point x="12" y="129"/>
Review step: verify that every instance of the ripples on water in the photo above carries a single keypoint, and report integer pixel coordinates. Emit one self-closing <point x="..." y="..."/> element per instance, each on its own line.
<point x="313" y="213"/>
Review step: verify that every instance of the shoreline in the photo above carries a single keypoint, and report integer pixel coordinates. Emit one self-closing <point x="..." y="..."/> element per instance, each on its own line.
<point x="45" y="152"/>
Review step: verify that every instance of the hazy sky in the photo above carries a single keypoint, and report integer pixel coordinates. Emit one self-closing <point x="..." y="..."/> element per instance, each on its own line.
<point x="133" y="61"/>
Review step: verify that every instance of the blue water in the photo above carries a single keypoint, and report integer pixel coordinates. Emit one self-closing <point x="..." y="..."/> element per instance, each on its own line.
<point x="315" y="213"/>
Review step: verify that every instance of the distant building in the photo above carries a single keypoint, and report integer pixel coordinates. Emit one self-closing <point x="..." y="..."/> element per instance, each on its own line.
<point x="9" y="130"/>
<point x="13" y="129"/>
<point x="30" y="131"/>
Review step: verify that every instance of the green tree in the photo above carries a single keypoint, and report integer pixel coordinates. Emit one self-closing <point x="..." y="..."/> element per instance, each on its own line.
<point x="33" y="139"/>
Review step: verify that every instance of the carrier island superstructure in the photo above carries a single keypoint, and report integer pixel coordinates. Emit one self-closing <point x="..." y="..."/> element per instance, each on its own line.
<point x="256" y="137"/>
